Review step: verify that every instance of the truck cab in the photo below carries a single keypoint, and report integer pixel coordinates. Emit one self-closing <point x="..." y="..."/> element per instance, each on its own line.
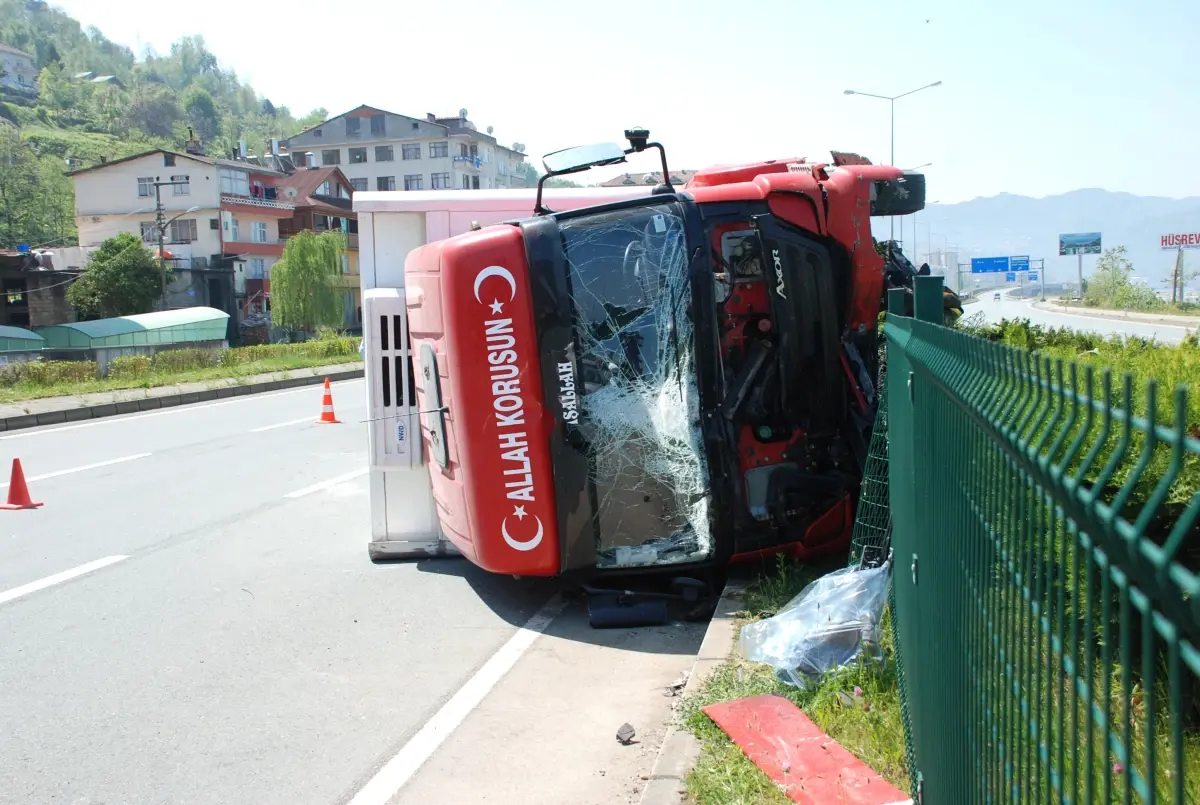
<point x="659" y="383"/>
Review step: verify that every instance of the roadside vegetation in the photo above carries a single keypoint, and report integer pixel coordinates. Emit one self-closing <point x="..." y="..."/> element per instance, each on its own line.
<point x="1111" y="287"/>
<point x="39" y="379"/>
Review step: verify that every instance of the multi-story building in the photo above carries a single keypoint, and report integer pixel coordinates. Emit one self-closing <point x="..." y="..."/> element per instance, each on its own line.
<point x="17" y="70"/>
<point x="380" y="150"/>
<point x="222" y="217"/>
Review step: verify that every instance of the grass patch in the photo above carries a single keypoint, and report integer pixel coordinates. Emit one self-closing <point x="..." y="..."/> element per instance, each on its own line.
<point x="238" y="372"/>
<point x="725" y="776"/>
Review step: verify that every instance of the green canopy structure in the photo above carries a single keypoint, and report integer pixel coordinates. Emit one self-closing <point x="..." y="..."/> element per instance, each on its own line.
<point x="17" y="339"/>
<point x="183" y="326"/>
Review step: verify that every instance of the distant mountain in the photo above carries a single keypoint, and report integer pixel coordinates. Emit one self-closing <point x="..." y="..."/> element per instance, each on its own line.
<point x="1009" y="224"/>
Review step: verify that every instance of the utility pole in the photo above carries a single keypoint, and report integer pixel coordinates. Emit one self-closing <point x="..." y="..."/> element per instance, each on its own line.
<point x="160" y="225"/>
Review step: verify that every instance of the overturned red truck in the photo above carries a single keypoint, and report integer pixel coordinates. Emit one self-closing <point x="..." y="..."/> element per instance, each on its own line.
<point x="668" y="382"/>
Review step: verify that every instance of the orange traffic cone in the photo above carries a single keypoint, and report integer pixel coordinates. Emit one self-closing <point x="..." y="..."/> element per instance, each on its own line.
<point x="18" y="492"/>
<point x="327" y="417"/>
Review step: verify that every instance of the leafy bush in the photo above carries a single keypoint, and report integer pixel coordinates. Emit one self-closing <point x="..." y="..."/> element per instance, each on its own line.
<point x="183" y="360"/>
<point x="130" y="367"/>
<point x="47" y="373"/>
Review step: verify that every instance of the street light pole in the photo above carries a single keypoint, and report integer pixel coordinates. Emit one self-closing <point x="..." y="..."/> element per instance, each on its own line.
<point x="891" y="99"/>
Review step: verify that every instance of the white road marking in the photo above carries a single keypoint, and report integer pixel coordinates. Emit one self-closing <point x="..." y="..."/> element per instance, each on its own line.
<point x="97" y="465"/>
<point x="58" y="578"/>
<point x="283" y="424"/>
<point x="175" y="409"/>
<point x="341" y="479"/>
<point x="401" y="768"/>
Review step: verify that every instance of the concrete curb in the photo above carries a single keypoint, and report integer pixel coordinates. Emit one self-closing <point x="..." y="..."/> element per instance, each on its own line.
<point x="680" y="749"/>
<point x="99" y="410"/>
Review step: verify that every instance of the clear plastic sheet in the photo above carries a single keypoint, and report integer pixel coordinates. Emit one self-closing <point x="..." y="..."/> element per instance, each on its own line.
<point x="833" y="621"/>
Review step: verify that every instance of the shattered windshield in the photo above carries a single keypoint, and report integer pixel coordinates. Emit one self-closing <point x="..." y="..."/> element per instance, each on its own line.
<point x="639" y="412"/>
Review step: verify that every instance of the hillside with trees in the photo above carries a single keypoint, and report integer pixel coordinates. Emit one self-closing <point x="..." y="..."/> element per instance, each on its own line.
<point x="143" y="101"/>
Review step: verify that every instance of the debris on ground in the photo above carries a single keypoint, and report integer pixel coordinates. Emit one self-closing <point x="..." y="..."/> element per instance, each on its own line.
<point x="676" y="687"/>
<point x="625" y="734"/>
<point x="832" y="622"/>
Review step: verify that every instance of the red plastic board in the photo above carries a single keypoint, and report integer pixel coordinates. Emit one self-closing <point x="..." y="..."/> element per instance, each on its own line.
<point x="808" y="765"/>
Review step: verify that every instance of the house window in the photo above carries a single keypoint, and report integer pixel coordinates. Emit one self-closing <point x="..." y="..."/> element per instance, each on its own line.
<point x="235" y="182"/>
<point x="440" y="181"/>
<point x="377" y="125"/>
<point x="358" y="156"/>
<point x="353" y="126"/>
<point x="183" y="230"/>
<point x="214" y="223"/>
<point x="359" y="184"/>
<point x="169" y="160"/>
<point x="145" y="186"/>
<point x="323" y="190"/>
<point x="384" y="153"/>
<point x="345" y="264"/>
<point x="258" y="232"/>
<point x="474" y="151"/>
<point x="385" y="183"/>
<point x="149" y="232"/>
<point x="413" y="181"/>
<point x="412" y="151"/>
<point x="466" y="183"/>
<point x="474" y="182"/>
<point x="256" y="268"/>
<point x="462" y="149"/>
<point x="331" y="157"/>
<point x="439" y="150"/>
<point x="233" y="230"/>
<point x="316" y="133"/>
<point x="182" y="186"/>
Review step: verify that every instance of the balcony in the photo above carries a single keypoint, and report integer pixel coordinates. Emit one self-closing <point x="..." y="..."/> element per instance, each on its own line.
<point x="262" y="206"/>
<point x="468" y="161"/>
<point x="273" y="247"/>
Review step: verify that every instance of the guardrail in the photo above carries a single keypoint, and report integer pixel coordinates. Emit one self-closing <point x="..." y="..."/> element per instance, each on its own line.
<point x="1046" y="599"/>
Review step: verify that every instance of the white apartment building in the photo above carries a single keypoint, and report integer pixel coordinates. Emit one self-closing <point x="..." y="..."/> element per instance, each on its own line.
<point x="223" y="218"/>
<point x="17" y="70"/>
<point x="379" y="150"/>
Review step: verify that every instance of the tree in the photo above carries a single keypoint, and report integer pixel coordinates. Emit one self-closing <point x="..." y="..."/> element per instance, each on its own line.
<point x="318" y="115"/>
<point x="531" y="175"/>
<point x="198" y="103"/>
<point x="121" y="279"/>
<point x="1112" y="286"/>
<point x="304" y="291"/>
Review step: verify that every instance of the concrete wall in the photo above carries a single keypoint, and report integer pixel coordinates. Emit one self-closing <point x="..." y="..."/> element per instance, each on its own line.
<point x="48" y="303"/>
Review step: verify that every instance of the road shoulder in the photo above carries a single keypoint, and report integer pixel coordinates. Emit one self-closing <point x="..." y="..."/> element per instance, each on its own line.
<point x="547" y="732"/>
<point x="60" y="410"/>
<point x="1123" y="315"/>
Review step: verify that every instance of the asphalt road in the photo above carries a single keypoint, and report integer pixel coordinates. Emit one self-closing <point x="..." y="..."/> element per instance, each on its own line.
<point x="191" y="617"/>
<point x="1013" y="308"/>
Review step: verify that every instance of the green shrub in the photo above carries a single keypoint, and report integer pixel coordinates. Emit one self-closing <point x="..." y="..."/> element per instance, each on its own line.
<point x="130" y="367"/>
<point x="183" y="360"/>
<point x="47" y="373"/>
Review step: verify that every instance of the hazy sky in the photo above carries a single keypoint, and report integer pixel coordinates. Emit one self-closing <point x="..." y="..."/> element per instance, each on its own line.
<point x="1039" y="97"/>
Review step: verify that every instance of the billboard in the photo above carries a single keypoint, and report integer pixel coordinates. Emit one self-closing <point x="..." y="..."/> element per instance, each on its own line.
<point x="1180" y="240"/>
<point x="1079" y="243"/>
<point x="1033" y="276"/>
<point x="1010" y="277"/>
<point x="1018" y="263"/>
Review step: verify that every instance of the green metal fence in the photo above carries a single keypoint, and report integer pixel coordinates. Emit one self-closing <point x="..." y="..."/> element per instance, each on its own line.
<point x="1045" y="536"/>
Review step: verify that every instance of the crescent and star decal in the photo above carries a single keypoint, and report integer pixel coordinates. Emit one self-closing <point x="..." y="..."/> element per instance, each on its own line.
<point x="496" y="271"/>
<point x="522" y="545"/>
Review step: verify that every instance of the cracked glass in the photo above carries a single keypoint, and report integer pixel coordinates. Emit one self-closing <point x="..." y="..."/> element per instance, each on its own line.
<point x="639" y="411"/>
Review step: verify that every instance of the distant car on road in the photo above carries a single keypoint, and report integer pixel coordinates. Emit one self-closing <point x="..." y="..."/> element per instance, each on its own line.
<point x="996" y="297"/>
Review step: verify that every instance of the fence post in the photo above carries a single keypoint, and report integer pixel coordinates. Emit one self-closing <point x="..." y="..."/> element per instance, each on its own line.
<point x="927" y="300"/>
<point x="895" y="301"/>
